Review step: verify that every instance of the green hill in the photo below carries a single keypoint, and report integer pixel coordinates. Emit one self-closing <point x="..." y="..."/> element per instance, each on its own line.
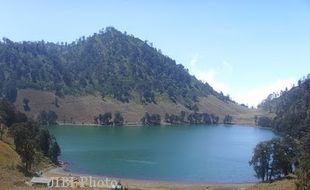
<point x="292" y="109"/>
<point x="292" y="121"/>
<point x="109" y="71"/>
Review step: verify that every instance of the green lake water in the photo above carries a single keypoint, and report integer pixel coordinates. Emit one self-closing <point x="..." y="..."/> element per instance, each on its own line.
<point x="216" y="153"/>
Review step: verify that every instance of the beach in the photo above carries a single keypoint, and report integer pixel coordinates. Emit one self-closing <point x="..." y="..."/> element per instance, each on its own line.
<point x="149" y="184"/>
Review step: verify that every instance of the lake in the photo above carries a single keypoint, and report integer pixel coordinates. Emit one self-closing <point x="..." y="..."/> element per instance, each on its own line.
<point x="211" y="153"/>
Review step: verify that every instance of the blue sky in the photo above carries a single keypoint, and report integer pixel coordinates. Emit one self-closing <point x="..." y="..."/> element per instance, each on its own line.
<point x="245" y="48"/>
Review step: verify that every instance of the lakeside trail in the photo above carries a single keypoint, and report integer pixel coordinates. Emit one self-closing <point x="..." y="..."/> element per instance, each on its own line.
<point x="150" y="184"/>
<point x="135" y="184"/>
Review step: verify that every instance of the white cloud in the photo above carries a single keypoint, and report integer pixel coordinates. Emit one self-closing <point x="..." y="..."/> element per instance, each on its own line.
<point x="194" y="60"/>
<point x="251" y="97"/>
<point x="211" y="76"/>
<point x="254" y="96"/>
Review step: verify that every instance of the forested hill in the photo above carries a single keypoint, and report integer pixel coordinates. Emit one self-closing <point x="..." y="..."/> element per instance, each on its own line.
<point x="109" y="71"/>
<point x="292" y="109"/>
<point x="110" y="62"/>
<point x="292" y="121"/>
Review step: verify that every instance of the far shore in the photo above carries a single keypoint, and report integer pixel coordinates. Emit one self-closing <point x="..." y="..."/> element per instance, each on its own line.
<point x="98" y="125"/>
<point x="150" y="184"/>
<point x="163" y="124"/>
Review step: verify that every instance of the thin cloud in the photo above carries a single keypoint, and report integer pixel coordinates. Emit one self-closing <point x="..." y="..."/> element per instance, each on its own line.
<point x="254" y="96"/>
<point x="194" y="60"/>
<point x="251" y="97"/>
<point x="211" y="78"/>
<point x="210" y="75"/>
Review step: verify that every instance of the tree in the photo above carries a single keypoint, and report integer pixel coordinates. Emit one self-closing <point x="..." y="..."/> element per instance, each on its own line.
<point x="155" y="119"/>
<point x="20" y="117"/>
<point x="264" y="121"/>
<point x="59" y="91"/>
<point x="54" y="151"/>
<point x="206" y="118"/>
<point x="303" y="173"/>
<point x="2" y="126"/>
<point x="45" y="140"/>
<point x="147" y="95"/>
<point x="215" y="119"/>
<point x="182" y="116"/>
<point x="24" y="140"/>
<point x="2" y="129"/>
<point x="145" y="119"/>
<point x="195" y="108"/>
<point x="174" y="119"/>
<point x="227" y="119"/>
<point x="11" y="92"/>
<point x="52" y="118"/>
<point x="274" y="159"/>
<point x="48" y="118"/>
<point x="26" y="104"/>
<point x="42" y="118"/>
<point x="167" y="118"/>
<point x="283" y="157"/>
<point x="195" y="118"/>
<point x="261" y="160"/>
<point x="30" y="138"/>
<point x="151" y="119"/>
<point x="255" y="119"/>
<point x="56" y="102"/>
<point x="192" y="118"/>
<point x="105" y="119"/>
<point x="118" y="119"/>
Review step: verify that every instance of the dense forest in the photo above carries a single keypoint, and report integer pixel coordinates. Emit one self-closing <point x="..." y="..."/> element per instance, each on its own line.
<point x="291" y="153"/>
<point x="292" y="109"/>
<point x="109" y="62"/>
<point x="106" y="119"/>
<point x="31" y="141"/>
<point x="191" y="118"/>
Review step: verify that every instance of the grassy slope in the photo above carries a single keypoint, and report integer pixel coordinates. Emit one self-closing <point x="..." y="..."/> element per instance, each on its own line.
<point x="277" y="185"/>
<point x="8" y="157"/>
<point x="83" y="109"/>
<point x="9" y="175"/>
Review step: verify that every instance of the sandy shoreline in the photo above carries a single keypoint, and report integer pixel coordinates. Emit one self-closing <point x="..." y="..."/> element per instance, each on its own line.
<point x="149" y="184"/>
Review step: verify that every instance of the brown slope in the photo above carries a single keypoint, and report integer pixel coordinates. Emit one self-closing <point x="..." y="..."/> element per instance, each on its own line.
<point x="83" y="109"/>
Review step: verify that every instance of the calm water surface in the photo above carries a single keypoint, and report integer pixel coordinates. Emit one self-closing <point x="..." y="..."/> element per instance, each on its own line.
<point x="217" y="153"/>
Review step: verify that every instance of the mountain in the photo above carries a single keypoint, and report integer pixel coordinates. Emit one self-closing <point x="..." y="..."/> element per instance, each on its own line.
<point x="108" y="71"/>
<point x="292" y="120"/>
<point x="291" y="109"/>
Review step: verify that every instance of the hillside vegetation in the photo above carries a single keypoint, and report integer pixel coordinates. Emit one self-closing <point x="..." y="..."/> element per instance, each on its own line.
<point x="290" y="154"/>
<point x="109" y="71"/>
<point x="27" y="138"/>
<point x="292" y="109"/>
<point x="111" y="62"/>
